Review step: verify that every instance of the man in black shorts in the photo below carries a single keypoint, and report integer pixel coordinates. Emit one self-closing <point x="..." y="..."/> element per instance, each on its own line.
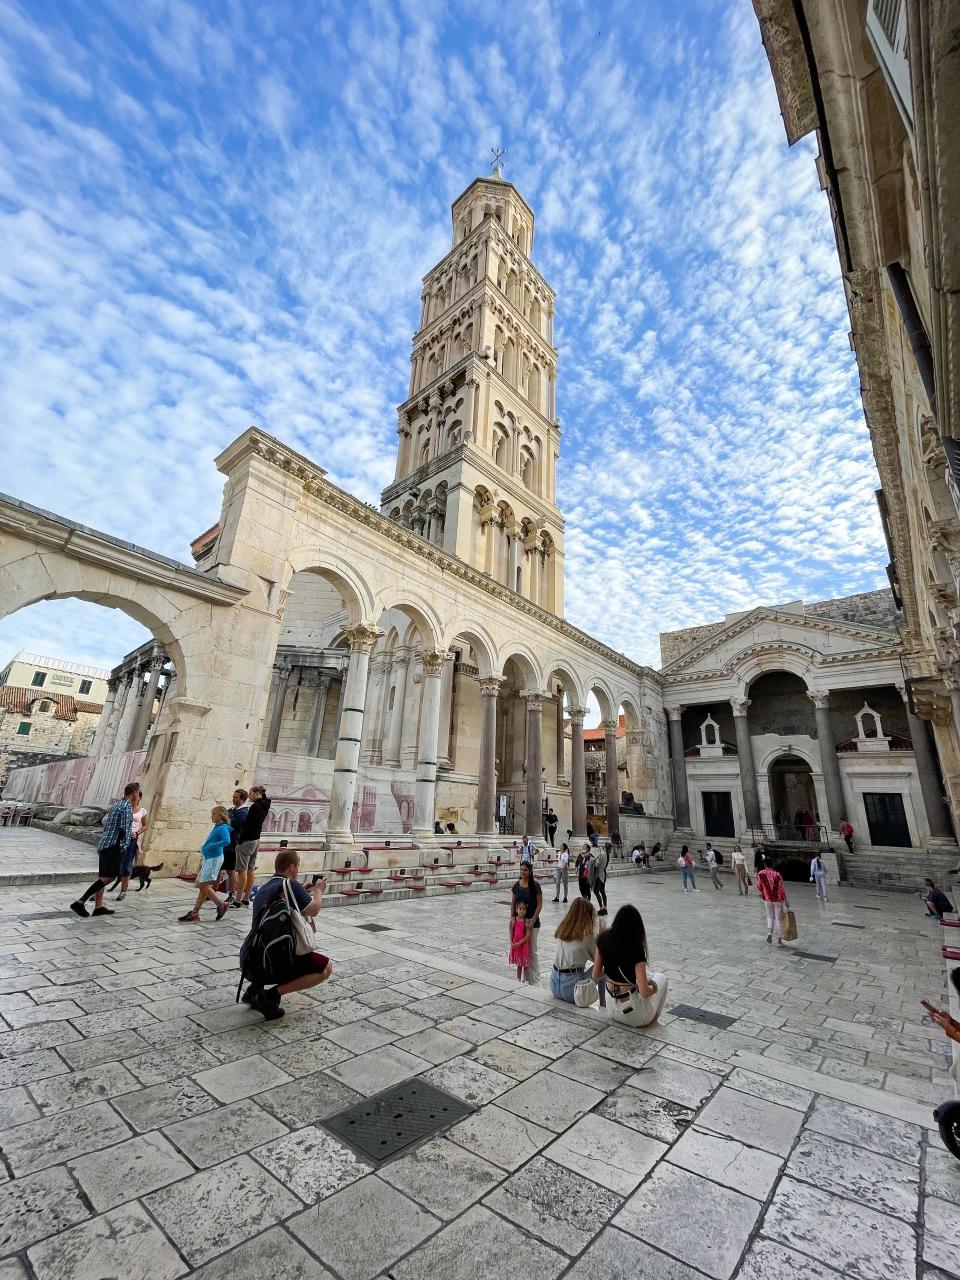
<point x="307" y="970"/>
<point x="237" y="814"/>
<point x="110" y="851"/>
<point x="248" y="842"/>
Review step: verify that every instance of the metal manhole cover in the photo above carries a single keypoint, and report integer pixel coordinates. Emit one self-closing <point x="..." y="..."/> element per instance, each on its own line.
<point x="386" y="1125"/>
<point x="812" y="955"/>
<point x="702" y="1015"/>
<point x="375" y="928"/>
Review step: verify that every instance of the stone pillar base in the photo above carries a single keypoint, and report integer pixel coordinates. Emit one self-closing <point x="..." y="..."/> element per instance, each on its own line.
<point x="338" y="839"/>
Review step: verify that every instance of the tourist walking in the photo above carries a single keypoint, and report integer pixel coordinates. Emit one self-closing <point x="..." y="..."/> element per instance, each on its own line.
<point x="616" y="839"/>
<point x="551" y="826"/>
<point x="237" y="814"/>
<point x="599" y="863"/>
<point x="562" y="872"/>
<point x="774" y="895"/>
<point x="576" y="946"/>
<point x="110" y="852"/>
<point x="212" y="852"/>
<point x="301" y="971"/>
<point x="528" y="850"/>
<point x="846" y="830"/>
<point x="637" y="997"/>
<point x="583" y="872"/>
<point x="712" y="867"/>
<point x="740" y="871"/>
<point x="592" y="834"/>
<point x="685" y="865"/>
<point x="138" y="824"/>
<point x="248" y="843"/>
<point x="818" y="875"/>
<point x="520" y="931"/>
<point x="527" y="891"/>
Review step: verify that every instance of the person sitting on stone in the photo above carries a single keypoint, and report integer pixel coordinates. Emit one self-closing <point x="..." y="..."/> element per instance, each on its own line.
<point x="937" y="901"/>
<point x="636" y="996"/>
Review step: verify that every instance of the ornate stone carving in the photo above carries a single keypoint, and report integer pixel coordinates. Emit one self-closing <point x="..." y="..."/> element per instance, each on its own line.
<point x="675" y="713"/>
<point x="361" y="638"/>
<point x="432" y="660"/>
<point x="610" y="726"/>
<point x="819" y="697"/>
<point x="576" y="716"/>
<point x="490" y="686"/>
<point x="739" y="706"/>
<point x="534" y="702"/>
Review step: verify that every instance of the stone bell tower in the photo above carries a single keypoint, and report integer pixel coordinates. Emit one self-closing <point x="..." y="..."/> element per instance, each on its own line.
<point x="478" y="435"/>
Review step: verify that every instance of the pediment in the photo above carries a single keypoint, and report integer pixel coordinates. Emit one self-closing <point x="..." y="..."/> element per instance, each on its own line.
<point x="769" y="635"/>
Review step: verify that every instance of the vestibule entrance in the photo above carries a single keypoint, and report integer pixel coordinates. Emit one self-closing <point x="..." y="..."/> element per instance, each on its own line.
<point x="793" y="798"/>
<point x="718" y="813"/>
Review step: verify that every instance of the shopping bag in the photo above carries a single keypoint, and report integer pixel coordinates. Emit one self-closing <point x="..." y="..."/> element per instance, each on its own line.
<point x="788" y="926"/>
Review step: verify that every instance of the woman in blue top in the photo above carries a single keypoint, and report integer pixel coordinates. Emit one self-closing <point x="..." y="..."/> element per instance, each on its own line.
<point x="214" y="847"/>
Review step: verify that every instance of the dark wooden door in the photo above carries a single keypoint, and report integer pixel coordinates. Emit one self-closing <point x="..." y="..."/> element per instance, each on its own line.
<point x="886" y="818"/>
<point x="718" y="813"/>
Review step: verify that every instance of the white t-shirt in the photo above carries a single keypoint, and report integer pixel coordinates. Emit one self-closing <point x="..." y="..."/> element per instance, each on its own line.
<point x="563" y="857"/>
<point x="711" y="858"/>
<point x="136" y="821"/>
<point x="738" y="858"/>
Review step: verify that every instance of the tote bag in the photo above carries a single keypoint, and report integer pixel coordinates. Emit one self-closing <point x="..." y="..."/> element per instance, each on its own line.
<point x="303" y="929"/>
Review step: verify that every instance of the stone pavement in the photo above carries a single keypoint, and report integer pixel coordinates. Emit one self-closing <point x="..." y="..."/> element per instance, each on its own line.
<point x="31" y="855"/>
<point x="151" y="1127"/>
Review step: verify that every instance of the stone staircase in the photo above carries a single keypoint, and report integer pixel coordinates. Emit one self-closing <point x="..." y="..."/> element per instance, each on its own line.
<point x="898" y="870"/>
<point x="391" y="870"/>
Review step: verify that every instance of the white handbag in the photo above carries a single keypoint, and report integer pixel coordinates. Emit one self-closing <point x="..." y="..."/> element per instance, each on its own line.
<point x="585" y="993"/>
<point x="303" y="929"/>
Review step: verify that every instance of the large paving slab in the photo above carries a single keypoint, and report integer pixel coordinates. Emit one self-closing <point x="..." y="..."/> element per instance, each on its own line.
<point x="139" y="1104"/>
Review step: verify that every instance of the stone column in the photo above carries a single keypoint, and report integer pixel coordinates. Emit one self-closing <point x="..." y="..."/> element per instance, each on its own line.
<point x="130" y="709"/>
<point x="116" y="715"/>
<point x="613" y="775"/>
<point x="681" y="796"/>
<point x="280" y="678"/>
<point x="748" y="772"/>
<point x="103" y="724"/>
<point x="933" y="799"/>
<point x="361" y="640"/>
<point x="534" y="820"/>
<point x="487" y="779"/>
<point x="561" y="763"/>
<point x="391" y="749"/>
<point x="578" y="775"/>
<point x="142" y="722"/>
<point x="425" y="794"/>
<point x="828" y="759"/>
<point x="446" y="707"/>
<point x="514" y="563"/>
<point x="319" y="709"/>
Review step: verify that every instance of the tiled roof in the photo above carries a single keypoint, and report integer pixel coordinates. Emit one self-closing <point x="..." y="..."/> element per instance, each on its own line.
<point x="599" y="734"/>
<point x="20" y="701"/>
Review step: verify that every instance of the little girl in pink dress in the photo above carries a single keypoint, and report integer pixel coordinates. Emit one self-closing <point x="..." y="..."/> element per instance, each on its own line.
<point x="520" y="942"/>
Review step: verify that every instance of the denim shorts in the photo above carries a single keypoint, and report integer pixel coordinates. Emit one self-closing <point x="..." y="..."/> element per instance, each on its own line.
<point x="129" y="857"/>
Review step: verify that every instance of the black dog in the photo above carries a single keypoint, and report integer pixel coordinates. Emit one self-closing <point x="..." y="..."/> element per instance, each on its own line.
<point x="140" y="873"/>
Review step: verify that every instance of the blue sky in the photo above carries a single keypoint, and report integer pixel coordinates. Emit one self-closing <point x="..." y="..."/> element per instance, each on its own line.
<point x="216" y="215"/>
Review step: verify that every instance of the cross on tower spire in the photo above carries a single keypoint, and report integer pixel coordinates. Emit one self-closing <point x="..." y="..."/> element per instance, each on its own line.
<point x="498" y="153"/>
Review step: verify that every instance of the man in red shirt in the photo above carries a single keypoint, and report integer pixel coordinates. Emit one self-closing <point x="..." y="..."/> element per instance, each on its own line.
<point x="770" y="887"/>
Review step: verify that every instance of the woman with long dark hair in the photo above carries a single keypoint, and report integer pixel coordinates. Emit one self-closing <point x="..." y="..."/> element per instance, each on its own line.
<point x="636" y="996"/>
<point x="527" y="891"/>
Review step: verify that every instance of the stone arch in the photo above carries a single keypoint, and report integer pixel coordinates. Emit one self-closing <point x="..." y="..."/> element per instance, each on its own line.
<point x="479" y="639"/>
<point x="559" y="668"/>
<point x="526" y="662"/>
<point x="601" y="691"/>
<point x="52" y="575"/>
<point x="631" y="711"/>
<point x="420" y="612"/>
<point x="357" y="597"/>
<point x="803" y="753"/>
<point x="748" y="665"/>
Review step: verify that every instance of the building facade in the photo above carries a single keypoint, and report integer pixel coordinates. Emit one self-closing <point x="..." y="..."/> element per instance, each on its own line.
<point x="49" y="709"/>
<point x="878" y="83"/>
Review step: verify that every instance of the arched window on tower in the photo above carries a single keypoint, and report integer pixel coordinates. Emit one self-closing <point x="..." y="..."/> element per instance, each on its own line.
<point x="535" y="317"/>
<point x="527" y="467"/>
<point x="510" y="361"/>
<point x="534" y="393"/>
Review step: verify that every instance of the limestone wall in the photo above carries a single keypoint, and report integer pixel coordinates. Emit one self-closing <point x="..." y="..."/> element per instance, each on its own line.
<point x="875" y="608"/>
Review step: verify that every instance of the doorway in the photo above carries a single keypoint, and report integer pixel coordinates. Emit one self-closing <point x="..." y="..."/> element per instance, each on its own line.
<point x="793" y="798"/>
<point x="886" y="819"/>
<point x="718" y="813"/>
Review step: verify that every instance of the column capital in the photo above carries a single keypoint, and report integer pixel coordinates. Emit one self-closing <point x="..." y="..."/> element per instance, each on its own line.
<point x="400" y="660"/>
<point x="739" y="706"/>
<point x="534" y="700"/>
<point x="433" y="661"/>
<point x="820" y="698"/>
<point x="610" y="726"/>
<point x="490" y="686"/>
<point x="361" y="638"/>
<point x="675" y="712"/>
<point x="576" y="715"/>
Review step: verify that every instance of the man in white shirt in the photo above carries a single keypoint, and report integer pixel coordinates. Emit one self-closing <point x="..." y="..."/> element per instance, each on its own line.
<point x="562" y="872"/>
<point x="527" y="850"/>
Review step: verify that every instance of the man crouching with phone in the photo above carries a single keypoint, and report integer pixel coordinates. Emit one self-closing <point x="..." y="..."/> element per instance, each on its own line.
<point x="305" y="971"/>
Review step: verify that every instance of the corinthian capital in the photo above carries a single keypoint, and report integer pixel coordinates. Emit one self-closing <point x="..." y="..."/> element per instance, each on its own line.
<point x="577" y="715"/>
<point x="820" y="698"/>
<point x="361" y="638"/>
<point x="739" y="706"/>
<point x="433" y="660"/>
